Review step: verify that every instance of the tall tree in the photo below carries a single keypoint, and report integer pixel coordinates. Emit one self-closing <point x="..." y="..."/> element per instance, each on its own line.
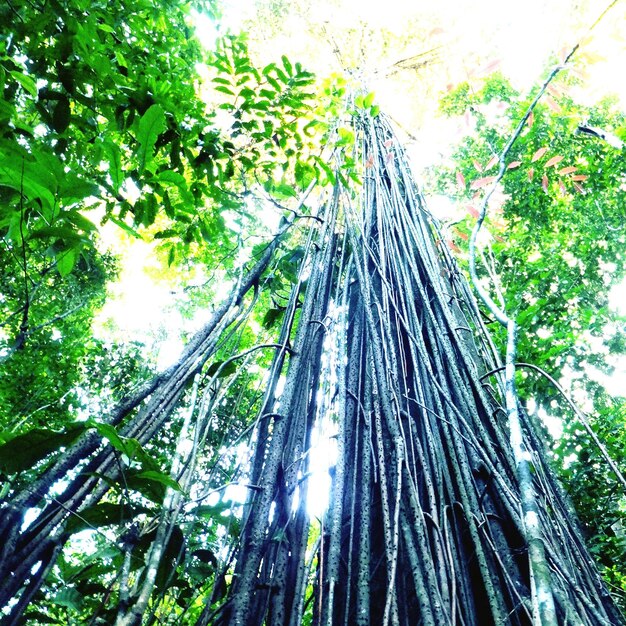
<point x="428" y="517"/>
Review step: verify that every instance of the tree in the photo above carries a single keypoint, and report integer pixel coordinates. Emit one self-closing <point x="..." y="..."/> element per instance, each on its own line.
<point x="559" y="200"/>
<point x="425" y="517"/>
<point x="358" y="305"/>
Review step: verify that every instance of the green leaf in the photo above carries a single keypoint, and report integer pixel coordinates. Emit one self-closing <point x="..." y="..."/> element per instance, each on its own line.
<point x="108" y="432"/>
<point x="287" y="65"/>
<point x="227" y="370"/>
<point x="125" y="227"/>
<point x="23" y="451"/>
<point x="69" y="598"/>
<point x="81" y="221"/>
<point x="27" y="82"/>
<point x="62" y="232"/>
<point x="368" y="100"/>
<point x="304" y="174"/>
<point x="30" y="181"/>
<point x="151" y="125"/>
<point x="66" y="261"/>
<point x="174" y="178"/>
<point x="327" y="170"/>
<point x="115" y="165"/>
<point x="159" y="477"/>
<point x="346" y="136"/>
<point x="284" y="191"/>
<point x="271" y="317"/>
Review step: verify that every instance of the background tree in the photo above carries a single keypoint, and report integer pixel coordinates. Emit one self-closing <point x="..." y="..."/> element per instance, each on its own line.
<point x="561" y="201"/>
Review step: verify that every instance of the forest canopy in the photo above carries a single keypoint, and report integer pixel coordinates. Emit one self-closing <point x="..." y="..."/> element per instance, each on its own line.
<point x="377" y="414"/>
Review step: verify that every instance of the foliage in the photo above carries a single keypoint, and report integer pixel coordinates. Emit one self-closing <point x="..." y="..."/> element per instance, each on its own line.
<point x="555" y="251"/>
<point x="102" y="120"/>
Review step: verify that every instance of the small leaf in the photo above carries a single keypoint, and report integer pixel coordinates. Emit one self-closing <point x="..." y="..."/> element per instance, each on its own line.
<point x="477" y="166"/>
<point x="472" y="211"/>
<point x="553" y="161"/>
<point x="482" y="182"/>
<point x="531" y="119"/>
<point x="580" y="177"/>
<point x="26" y="82"/>
<point x="115" y="164"/>
<point x="61" y="232"/>
<point x="225" y="90"/>
<point x="544" y="183"/>
<point x="453" y="246"/>
<point x="125" y="227"/>
<point x="108" y="432"/>
<point x="222" y="370"/>
<point x="346" y="136"/>
<point x="81" y="221"/>
<point x="151" y="125"/>
<point x="66" y="261"/>
<point x="556" y="91"/>
<point x="287" y="65"/>
<point x="513" y="164"/>
<point x="492" y="161"/>
<point x="567" y="170"/>
<point x="69" y="598"/>
<point x="368" y="100"/>
<point x="552" y="104"/>
<point x="460" y="179"/>
<point x="531" y="173"/>
<point x="159" y="477"/>
<point x="578" y="188"/>
<point x="271" y="317"/>
<point x="284" y="191"/>
<point x="538" y="154"/>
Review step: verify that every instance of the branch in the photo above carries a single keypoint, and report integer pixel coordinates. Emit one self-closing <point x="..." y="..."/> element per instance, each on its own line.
<point x="579" y="414"/>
